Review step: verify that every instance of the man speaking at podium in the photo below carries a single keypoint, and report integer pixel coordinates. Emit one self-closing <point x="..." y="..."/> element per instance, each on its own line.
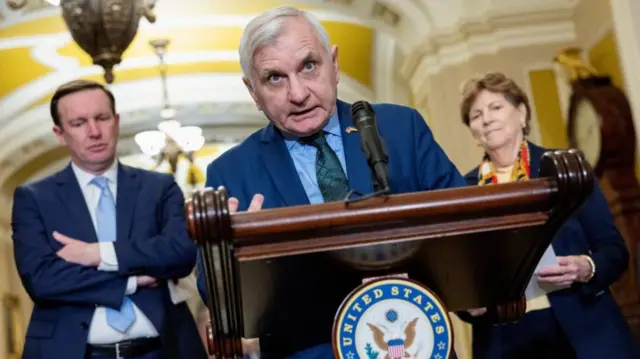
<point x="311" y="151"/>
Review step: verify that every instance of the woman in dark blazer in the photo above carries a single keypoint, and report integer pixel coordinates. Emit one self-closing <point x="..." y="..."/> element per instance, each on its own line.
<point x="583" y="320"/>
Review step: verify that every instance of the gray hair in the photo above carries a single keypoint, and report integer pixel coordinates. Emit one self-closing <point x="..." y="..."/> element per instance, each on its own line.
<point x="265" y="29"/>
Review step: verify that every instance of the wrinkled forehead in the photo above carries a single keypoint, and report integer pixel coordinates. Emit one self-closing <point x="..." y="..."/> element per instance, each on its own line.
<point x="295" y="41"/>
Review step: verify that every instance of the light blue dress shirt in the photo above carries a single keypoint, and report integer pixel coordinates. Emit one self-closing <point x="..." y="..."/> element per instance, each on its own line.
<point x="304" y="158"/>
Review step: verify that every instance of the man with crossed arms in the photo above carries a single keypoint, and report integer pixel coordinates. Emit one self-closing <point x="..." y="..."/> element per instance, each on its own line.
<point x="98" y="244"/>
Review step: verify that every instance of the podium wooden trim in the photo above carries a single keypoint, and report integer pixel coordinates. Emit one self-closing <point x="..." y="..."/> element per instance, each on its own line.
<point x="432" y="218"/>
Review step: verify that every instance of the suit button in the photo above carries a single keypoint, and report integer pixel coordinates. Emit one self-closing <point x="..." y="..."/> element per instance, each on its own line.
<point x="84" y="326"/>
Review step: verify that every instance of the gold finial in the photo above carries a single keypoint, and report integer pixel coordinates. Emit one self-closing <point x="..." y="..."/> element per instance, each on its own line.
<point x="571" y="61"/>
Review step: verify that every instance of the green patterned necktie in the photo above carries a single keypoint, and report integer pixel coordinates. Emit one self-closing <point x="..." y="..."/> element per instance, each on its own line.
<point x="331" y="178"/>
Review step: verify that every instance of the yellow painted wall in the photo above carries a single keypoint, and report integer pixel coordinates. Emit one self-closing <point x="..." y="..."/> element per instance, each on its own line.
<point x="355" y="43"/>
<point x="13" y="75"/>
<point x="546" y="102"/>
<point x="603" y="56"/>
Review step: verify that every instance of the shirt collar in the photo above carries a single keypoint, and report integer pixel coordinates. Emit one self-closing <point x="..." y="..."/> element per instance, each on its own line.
<point x="332" y="127"/>
<point x="84" y="177"/>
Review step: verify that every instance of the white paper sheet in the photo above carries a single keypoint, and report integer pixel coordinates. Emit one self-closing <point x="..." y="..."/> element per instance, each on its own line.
<point x="536" y="288"/>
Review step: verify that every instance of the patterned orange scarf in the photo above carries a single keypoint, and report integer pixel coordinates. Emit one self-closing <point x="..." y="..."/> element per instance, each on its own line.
<point x="521" y="170"/>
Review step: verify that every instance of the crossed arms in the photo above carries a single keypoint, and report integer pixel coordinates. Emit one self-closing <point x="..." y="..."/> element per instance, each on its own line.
<point x="70" y="274"/>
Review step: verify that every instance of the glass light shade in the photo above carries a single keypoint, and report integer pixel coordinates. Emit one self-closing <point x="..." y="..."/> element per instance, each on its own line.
<point x="189" y="138"/>
<point x="151" y="143"/>
<point x="169" y="127"/>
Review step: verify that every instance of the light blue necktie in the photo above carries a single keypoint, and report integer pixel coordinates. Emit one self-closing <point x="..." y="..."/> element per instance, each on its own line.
<point x="106" y="222"/>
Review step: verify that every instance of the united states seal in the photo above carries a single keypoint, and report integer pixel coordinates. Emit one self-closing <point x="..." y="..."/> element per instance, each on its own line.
<point x="392" y="318"/>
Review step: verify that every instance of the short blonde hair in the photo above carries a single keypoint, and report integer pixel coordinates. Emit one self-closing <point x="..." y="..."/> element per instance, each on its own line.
<point x="495" y="82"/>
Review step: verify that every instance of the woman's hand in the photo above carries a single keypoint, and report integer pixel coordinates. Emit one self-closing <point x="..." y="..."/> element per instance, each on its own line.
<point x="476" y="312"/>
<point x="569" y="269"/>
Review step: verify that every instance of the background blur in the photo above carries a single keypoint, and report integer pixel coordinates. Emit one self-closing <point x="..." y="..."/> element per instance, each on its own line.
<point x="182" y="102"/>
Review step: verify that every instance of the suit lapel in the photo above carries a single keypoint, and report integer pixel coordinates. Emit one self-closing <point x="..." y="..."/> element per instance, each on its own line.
<point x="128" y="186"/>
<point x="535" y="153"/>
<point x="280" y="167"/>
<point x="358" y="171"/>
<point x="71" y="196"/>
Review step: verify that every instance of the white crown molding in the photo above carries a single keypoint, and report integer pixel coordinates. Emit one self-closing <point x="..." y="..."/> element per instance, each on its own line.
<point x="418" y="68"/>
<point x="520" y="26"/>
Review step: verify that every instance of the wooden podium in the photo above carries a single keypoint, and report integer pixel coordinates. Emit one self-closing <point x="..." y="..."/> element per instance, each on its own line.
<point x="282" y="274"/>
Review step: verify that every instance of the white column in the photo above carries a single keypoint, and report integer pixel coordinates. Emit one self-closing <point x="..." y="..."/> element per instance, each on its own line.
<point x="626" y="21"/>
<point x="386" y="84"/>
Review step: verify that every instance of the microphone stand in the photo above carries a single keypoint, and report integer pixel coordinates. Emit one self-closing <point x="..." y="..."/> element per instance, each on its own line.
<point x="363" y="117"/>
<point x="378" y="190"/>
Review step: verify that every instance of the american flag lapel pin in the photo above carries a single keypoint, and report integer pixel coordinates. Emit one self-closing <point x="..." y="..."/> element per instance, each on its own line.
<point x="351" y="129"/>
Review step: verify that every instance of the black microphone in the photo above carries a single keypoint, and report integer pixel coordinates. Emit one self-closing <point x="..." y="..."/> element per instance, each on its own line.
<point x="364" y="119"/>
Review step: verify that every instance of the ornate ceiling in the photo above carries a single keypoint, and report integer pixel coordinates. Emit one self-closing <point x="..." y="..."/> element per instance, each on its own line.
<point x="383" y="44"/>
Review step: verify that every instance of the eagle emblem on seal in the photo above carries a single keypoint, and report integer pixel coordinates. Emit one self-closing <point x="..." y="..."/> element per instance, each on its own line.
<point x="395" y="345"/>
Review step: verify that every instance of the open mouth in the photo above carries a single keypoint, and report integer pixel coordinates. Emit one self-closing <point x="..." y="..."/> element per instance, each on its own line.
<point x="303" y="113"/>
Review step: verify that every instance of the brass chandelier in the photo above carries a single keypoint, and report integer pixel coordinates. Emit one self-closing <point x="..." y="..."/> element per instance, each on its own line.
<point x="104" y="29"/>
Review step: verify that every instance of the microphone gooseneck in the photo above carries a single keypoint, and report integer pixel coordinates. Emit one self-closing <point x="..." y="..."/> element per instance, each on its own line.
<point x="364" y="119"/>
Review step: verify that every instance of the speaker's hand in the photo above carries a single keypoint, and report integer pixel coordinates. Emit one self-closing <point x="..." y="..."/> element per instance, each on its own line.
<point x="255" y="205"/>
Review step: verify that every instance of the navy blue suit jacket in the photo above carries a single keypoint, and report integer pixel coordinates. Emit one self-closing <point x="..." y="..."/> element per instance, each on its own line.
<point x="262" y="164"/>
<point x="151" y="240"/>
<point x="587" y="313"/>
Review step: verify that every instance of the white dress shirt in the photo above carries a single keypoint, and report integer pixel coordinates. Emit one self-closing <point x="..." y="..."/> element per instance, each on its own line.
<point x="99" y="331"/>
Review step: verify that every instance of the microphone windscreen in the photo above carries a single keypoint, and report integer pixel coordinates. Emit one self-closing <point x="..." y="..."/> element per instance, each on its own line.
<point x="359" y="106"/>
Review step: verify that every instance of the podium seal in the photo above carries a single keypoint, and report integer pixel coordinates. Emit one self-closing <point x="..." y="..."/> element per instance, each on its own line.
<point x="392" y="318"/>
